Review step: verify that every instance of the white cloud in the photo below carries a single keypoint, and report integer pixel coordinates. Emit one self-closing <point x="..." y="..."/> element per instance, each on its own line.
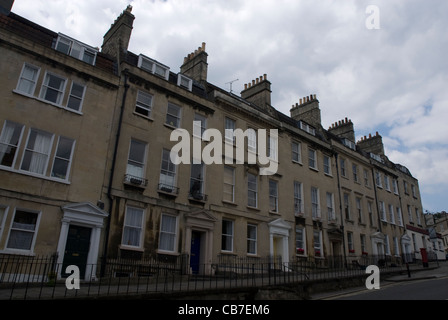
<point x="391" y="79"/>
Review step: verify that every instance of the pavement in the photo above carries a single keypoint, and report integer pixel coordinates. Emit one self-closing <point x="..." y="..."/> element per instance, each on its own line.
<point x="432" y="272"/>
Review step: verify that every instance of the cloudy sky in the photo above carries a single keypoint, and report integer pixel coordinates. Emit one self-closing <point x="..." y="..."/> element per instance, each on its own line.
<point x="393" y="80"/>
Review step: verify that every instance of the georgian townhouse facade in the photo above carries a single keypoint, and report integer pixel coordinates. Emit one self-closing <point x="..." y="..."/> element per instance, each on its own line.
<point x="54" y="90"/>
<point x="91" y="148"/>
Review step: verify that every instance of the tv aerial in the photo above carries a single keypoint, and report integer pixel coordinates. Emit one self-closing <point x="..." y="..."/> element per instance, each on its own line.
<point x="231" y="82"/>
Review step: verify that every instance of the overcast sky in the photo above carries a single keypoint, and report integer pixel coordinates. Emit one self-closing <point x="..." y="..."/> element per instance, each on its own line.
<point x="392" y="80"/>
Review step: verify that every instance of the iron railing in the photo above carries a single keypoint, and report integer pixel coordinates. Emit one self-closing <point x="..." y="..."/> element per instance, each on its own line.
<point x="23" y="277"/>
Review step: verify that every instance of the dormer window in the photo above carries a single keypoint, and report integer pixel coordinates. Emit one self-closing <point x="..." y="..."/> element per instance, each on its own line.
<point x="153" y="66"/>
<point x="76" y="49"/>
<point x="184" y="82"/>
<point x="306" y="127"/>
<point x="346" y="142"/>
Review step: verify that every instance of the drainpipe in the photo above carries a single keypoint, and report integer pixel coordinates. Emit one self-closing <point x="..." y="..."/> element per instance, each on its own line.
<point x="340" y="210"/>
<point x="114" y="159"/>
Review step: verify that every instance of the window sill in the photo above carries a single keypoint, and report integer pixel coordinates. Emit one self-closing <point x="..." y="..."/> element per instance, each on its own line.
<point x="314" y="169"/>
<point x="274" y="212"/>
<point x="169" y="126"/>
<point x="48" y="102"/>
<point x="297" y="162"/>
<point x="229" y="202"/>
<point x="142" y="116"/>
<point x="253" y="208"/>
<point x="129" y="248"/>
<point x="35" y="175"/>
<point x="168" y="253"/>
<point x="25" y="253"/>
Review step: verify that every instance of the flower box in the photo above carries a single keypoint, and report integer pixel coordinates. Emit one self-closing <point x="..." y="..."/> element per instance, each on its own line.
<point x="300" y="251"/>
<point x="351" y="251"/>
<point x="364" y="253"/>
<point x="317" y="253"/>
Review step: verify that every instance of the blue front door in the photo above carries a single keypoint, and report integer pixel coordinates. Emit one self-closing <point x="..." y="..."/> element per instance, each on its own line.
<point x="195" y="251"/>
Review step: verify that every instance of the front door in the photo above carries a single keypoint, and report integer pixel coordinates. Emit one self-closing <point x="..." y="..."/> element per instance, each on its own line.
<point x="76" y="249"/>
<point x="195" y="251"/>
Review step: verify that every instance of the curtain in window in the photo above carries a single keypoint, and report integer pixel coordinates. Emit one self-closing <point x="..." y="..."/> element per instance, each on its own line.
<point x="38" y="150"/>
<point x="132" y="227"/>
<point x="5" y="140"/>
<point x="167" y="233"/>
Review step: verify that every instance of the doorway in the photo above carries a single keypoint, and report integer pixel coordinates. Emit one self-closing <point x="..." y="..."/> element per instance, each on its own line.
<point x="195" y="251"/>
<point x="76" y="249"/>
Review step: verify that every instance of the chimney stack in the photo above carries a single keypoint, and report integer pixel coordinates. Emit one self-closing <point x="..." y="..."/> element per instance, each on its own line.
<point x="343" y="129"/>
<point x="116" y="40"/>
<point x="258" y="92"/>
<point x="307" y="110"/>
<point x="195" y="64"/>
<point x="372" y="144"/>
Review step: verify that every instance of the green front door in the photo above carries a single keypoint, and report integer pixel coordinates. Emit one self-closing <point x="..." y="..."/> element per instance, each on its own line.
<point x="76" y="249"/>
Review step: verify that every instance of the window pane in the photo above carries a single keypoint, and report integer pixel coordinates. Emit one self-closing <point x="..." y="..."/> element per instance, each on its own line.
<point x="9" y="141"/>
<point x="36" y="152"/>
<point x="28" y="79"/>
<point x="22" y="230"/>
<point x="75" y="98"/>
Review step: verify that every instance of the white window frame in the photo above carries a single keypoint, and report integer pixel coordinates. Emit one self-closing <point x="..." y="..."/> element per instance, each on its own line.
<point x="391" y="214"/>
<point x="201" y="180"/>
<point x="177" y="116"/>
<point x="300" y="231"/>
<point x="227" y="235"/>
<point x="135" y="163"/>
<point x="317" y="245"/>
<point x="296" y="152"/>
<point x="315" y="203"/>
<point x="140" y="228"/>
<point x="181" y="78"/>
<point x="6" y="144"/>
<point x="75" y="97"/>
<point x="251" y="240"/>
<point x="386" y="182"/>
<point x="378" y="179"/>
<point x="83" y="48"/>
<point x="34" y="82"/>
<point x="343" y="169"/>
<point x="170" y="233"/>
<point x="229" y="131"/>
<point x="251" y="140"/>
<point x="350" y="243"/>
<point x="366" y="178"/>
<point x="383" y="211"/>
<point x="199" y="129"/>
<point x="273" y="196"/>
<point x="327" y="165"/>
<point x="44" y="87"/>
<point x="231" y="184"/>
<point x="5" y="210"/>
<point x="168" y="171"/>
<point x="254" y="191"/>
<point x="33" y="152"/>
<point x="272" y="148"/>
<point x="355" y="172"/>
<point x="330" y="206"/>
<point x="312" y="159"/>
<point x="358" y="201"/>
<point x="145" y="108"/>
<point x="298" y="199"/>
<point x="15" y="228"/>
<point x="69" y="160"/>
<point x="400" y="217"/>
<point x="155" y="67"/>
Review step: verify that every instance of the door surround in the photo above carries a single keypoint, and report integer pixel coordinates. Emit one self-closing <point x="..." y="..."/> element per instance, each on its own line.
<point x="82" y="214"/>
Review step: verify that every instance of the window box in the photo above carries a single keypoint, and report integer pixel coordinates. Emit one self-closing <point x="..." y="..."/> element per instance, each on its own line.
<point x="300" y="251"/>
<point x="317" y="253"/>
<point x="364" y="253"/>
<point x="352" y="251"/>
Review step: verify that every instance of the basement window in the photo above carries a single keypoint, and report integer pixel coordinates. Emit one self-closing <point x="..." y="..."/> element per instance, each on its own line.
<point x="76" y="49"/>
<point x="153" y="66"/>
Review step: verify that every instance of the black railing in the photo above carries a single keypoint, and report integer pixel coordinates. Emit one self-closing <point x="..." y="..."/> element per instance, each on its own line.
<point x="24" y="277"/>
<point x="135" y="181"/>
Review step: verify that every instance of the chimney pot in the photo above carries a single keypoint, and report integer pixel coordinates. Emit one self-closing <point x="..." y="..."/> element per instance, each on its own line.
<point x="203" y="46"/>
<point x="257" y="80"/>
<point x="265" y="76"/>
<point x="245" y="86"/>
<point x="377" y="134"/>
<point x="253" y="82"/>
<point x="300" y="100"/>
